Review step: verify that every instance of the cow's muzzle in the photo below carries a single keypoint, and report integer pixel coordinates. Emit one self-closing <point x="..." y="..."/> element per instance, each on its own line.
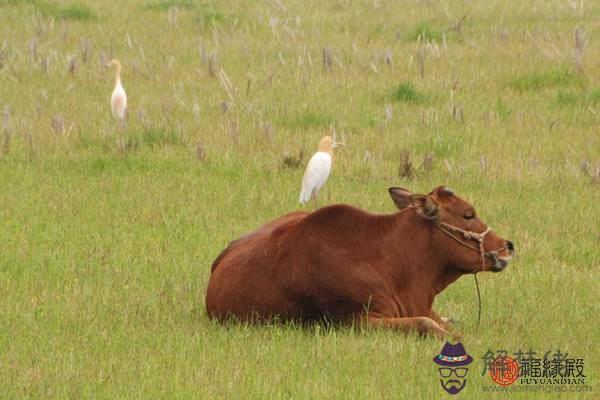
<point x="501" y="262"/>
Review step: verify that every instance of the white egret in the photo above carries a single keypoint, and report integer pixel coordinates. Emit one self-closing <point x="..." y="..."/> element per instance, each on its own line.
<point x="118" y="100"/>
<point x="318" y="170"/>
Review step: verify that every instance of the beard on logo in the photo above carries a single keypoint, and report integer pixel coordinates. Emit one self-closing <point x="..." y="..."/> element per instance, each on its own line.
<point x="453" y="386"/>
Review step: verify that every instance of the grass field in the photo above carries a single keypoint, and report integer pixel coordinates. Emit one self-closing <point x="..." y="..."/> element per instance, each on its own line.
<point x="106" y="237"/>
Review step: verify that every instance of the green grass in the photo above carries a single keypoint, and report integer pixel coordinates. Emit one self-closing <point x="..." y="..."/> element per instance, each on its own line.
<point x="503" y="109"/>
<point x="442" y="146"/>
<point x="16" y="2"/>
<point x="156" y="137"/>
<point x="425" y="31"/>
<point x="77" y="11"/>
<point x="571" y="97"/>
<point x="107" y="237"/>
<point x="206" y="12"/>
<point x="567" y="97"/>
<point x="593" y="97"/>
<point x="406" y="93"/>
<point x="164" y="5"/>
<point x="306" y="120"/>
<point x="73" y="12"/>
<point x="547" y="79"/>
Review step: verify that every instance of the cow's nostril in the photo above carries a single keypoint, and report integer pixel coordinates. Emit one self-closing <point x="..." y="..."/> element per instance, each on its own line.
<point x="510" y="246"/>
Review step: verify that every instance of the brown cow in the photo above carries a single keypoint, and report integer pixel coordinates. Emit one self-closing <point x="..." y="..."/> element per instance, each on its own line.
<point x="346" y="265"/>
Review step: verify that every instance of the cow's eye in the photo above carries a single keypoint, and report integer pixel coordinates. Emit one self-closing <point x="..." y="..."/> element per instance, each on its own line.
<point x="468" y="216"/>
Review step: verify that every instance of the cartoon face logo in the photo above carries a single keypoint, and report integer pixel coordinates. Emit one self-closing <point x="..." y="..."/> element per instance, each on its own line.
<point x="453" y="373"/>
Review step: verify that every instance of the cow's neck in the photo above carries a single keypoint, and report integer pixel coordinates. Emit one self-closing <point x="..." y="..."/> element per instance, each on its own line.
<point x="426" y="272"/>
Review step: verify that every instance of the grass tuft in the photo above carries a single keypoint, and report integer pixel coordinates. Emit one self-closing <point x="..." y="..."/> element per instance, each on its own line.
<point x="567" y="97"/>
<point x="503" y="109"/>
<point x="164" y="5"/>
<point x="16" y="2"/>
<point x="308" y="119"/>
<point x="72" y="12"/>
<point x="155" y="137"/>
<point x="211" y="15"/>
<point x="425" y="31"/>
<point x="541" y="80"/>
<point x="442" y="145"/>
<point x="406" y="93"/>
<point x="206" y="13"/>
<point x="593" y="97"/>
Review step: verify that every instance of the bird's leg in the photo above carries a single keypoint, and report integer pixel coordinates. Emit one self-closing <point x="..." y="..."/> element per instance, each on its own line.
<point x="120" y="126"/>
<point x="121" y="136"/>
<point x="314" y="198"/>
<point x="122" y="123"/>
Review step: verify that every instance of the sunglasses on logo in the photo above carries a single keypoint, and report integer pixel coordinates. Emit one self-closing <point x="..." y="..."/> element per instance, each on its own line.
<point x="459" y="372"/>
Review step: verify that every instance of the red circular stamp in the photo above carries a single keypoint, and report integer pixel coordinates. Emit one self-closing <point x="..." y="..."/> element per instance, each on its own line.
<point x="504" y="371"/>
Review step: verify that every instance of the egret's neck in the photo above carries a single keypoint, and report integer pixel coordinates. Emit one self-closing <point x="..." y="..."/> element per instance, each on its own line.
<point x="325" y="148"/>
<point x="118" y="75"/>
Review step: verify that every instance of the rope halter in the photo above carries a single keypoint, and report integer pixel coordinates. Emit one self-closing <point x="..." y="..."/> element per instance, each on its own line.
<point x="470" y="235"/>
<point x="479" y="238"/>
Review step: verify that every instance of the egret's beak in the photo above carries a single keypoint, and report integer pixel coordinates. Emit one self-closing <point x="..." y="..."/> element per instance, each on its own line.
<point x="336" y="144"/>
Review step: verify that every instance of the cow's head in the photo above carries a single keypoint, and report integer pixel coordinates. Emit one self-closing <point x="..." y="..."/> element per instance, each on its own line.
<point x="464" y="235"/>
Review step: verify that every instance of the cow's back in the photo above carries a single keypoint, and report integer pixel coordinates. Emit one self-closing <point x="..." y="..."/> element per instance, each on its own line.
<point x="301" y="266"/>
<point x="246" y="279"/>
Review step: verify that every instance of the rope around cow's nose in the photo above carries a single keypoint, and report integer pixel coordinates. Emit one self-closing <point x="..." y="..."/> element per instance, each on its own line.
<point x="479" y="238"/>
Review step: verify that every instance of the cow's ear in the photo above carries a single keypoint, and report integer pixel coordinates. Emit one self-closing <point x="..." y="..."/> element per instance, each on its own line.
<point x="424" y="206"/>
<point x="400" y="197"/>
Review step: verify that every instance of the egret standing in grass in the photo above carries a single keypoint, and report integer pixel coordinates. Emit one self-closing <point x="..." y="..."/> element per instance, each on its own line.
<point x="318" y="170"/>
<point x="118" y="100"/>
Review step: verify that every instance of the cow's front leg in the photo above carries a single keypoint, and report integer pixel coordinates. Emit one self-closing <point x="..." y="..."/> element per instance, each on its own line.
<point x="443" y="322"/>
<point x="423" y="325"/>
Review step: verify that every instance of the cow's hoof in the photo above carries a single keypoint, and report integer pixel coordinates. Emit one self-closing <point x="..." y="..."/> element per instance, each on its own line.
<point x="449" y="321"/>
